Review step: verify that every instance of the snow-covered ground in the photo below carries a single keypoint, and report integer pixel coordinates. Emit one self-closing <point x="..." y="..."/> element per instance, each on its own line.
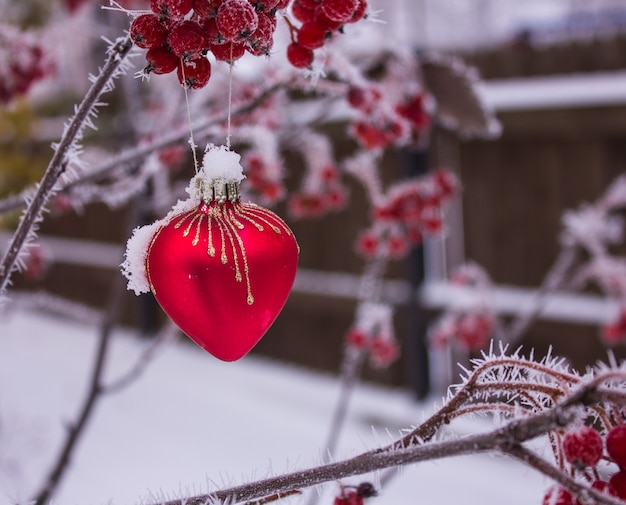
<point x="192" y="423"/>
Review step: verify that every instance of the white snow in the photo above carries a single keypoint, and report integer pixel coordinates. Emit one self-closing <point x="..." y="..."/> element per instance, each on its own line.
<point x="192" y="422"/>
<point x="220" y="163"/>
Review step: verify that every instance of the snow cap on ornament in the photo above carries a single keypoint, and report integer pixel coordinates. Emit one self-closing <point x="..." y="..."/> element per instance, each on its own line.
<point x="221" y="269"/>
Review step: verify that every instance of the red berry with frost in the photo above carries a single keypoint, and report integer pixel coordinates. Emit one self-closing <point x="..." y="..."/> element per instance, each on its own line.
<point x="206" y="8"/>
<point x="237" y="20"/>
<point x="147" y="31"/>
<point x="212" y="32"/>
<point x="582" y="447"/>
<point x="558" y="495"/>
<point x="359" y="12"/>
<point x="299" y="56"/>
<point x="325" y="22"/>
<point x="339" y="10"/>
<point x="616" y="445"/>
<point x="228" y="52"/>
<point x="161" y="61"/>
<point x="187" y="40"/>
<point x="310" y="4"/>
<point x="171" y="8"/>
<point x="262" y="40"/>
<point x="194" y="74"/>
<point x="311" y="35"/>
<point x="302" y="13"/>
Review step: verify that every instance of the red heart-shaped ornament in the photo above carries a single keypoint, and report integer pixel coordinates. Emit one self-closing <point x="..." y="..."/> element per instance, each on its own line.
<point x="223" y="272"/>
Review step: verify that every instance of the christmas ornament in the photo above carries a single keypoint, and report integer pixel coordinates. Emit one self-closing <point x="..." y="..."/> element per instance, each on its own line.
<point x="221" y="269"/>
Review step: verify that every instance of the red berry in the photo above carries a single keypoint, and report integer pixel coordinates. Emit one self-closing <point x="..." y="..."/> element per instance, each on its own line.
<point x="212" y="32"/>
<point x="368" y="244"/>
<point x="616" y="445"/>
<point x="194" y="74"/>
<point x="206" y="8"/>
<point x="357" y="338"/>
<point x="261" y="41"/>
<point x="618" y="484"/>
<point x="299" y="56"/>
<point x="228" y="52"/>
<point x="359" y="12"/>
<point x="349" y="498"/>
<point x="171" y="8"/>
<point x="302" y="13"/>
<point x="282" y="4"/>
<point x="187" y="40"/>
<point x="413" y="110"/>
<point x="237" y="20"/>
<point x="582" y="447"/>
<point x="311" y="35"/>
<point x="558" y="495"/>
<point x="325" y="22"/>
<point x="147" y="31"/>
<point x="161" y="60"/>
<point x="383" y="352"/>
<point x="339" y="10"/>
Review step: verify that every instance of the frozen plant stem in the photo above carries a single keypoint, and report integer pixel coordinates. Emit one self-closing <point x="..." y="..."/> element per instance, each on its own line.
<point x="353" y="359"/>
<point x="130" y="157"/>
<point x="94" y="393"/>
<point x="59" y="162"/>
<point x="502" y="440"/>
<point x="552" y="281"/>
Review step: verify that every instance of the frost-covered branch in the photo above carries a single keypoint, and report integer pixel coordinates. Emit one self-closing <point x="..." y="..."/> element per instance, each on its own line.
<point x="61" y="158"/>
<point x="505" y="440"/>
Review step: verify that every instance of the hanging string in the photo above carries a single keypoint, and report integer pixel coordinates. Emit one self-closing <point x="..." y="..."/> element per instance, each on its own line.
<point x="192" y="142"/>
<point x="230" y="96"/>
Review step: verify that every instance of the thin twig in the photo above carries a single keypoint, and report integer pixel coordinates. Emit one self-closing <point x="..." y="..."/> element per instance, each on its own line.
<point x="94" y="392"/>
<point x="528" y="457"/>
<point x="59" y="162"/>
<point x="136" y="371"/>
<point x="131" y="157"/>
<point x="552" y="281"/>
<point x="497" y="440"/>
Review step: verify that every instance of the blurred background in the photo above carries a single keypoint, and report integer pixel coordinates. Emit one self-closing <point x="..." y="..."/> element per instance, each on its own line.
<point x="554" y="72"/>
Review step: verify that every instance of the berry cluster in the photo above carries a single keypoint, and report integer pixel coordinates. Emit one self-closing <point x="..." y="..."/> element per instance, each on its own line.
<point x="380" y="124"/>
<point x="264" y="180"/>
<point x="329" y="195"/>
<point x="178" y="34"/>
<point x="470" y="329"/>
<point x="320" y="20"/>
<point x="22" y="63"/>
<point x="583" y="448"/>
<point x="408" y="211"/>
<point x="373" y="332"/>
